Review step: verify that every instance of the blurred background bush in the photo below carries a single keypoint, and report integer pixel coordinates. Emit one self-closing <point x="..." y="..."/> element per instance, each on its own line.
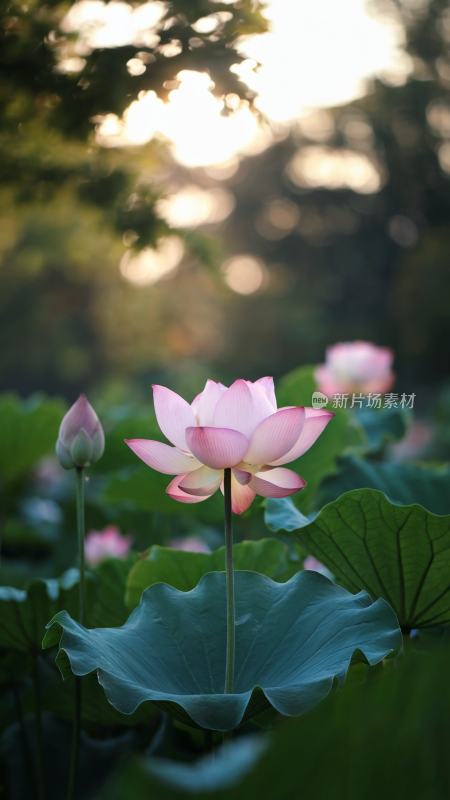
<point x="221" y="188"/>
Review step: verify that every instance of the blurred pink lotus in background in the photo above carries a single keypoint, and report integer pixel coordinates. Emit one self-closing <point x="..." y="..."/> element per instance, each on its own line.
<point x="191" y="544"/>
<point x="238" y="427"/>
<point x="311" y="564"/>
<point x="356" y="367"/>
<point x="108" y="543"/>
<point x="47" y="473"/>
<point x="414" y="444"/>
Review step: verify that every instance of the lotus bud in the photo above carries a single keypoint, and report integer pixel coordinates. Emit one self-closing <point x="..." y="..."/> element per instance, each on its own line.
<point x="81" y="440"/>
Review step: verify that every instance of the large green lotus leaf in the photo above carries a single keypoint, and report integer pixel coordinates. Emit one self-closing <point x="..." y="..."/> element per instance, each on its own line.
<point x="401" y="483"/>
<point x="341" y="435"/>
<point x="29" y="431"/>
<point x="184" y="570"/>
<point x="25" y="613"/>
<point x="293" y="640"/>
<point x="401" y="553"/>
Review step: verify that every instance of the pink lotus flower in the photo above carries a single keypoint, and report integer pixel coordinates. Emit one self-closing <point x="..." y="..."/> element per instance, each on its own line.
<point x="81" y="440"/>
<point x="190" y="544"/>
<point x="355" y="367"/>
<point x="108" y="543"/>
<point x="238" y="427"/>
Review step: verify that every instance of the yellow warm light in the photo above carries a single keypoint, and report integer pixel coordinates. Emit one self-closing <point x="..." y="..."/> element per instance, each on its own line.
<point x="150" y="265"/>
<point x="335" y="169"/>
<point x="192" y="206"/>
<point x="244" y="274"/>
<point x="193" y="122"/>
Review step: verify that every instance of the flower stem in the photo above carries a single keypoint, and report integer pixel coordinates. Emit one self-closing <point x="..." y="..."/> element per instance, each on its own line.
<point x="28" y="760"/>
<point x="80" y="530"/>
<point x="40" y="768"/>
<point x="76" y="733"/>
<point x="229" y="670"/>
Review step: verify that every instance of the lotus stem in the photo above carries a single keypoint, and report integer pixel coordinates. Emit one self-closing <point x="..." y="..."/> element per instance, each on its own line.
<point x="28" y="759"/>
<point x="79" y="472"/>
<point x="40" y="769"/>
<point x="76" y="733"/>
<point x="230" y="655"/>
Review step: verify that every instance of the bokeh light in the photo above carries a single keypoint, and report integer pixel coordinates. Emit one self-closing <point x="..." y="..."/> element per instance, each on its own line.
<point x="244" y="274"/>
<point x="315" y="166"/>
<point x="191" y="206"/>
<point x="150" y="264"/>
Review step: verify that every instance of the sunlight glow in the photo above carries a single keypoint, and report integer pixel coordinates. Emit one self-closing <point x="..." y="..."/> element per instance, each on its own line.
<point x="315" y="55"/>
<point x="336" y="169"/>
<point x="150" y="264"/>
<point x="113" y="24"/>
<point x="319" y="54"/>
<point x="191" y="206"/>
<point x="193" y="122"/>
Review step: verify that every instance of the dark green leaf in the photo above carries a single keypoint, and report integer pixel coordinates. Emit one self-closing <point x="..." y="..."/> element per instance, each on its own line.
<point x="383" y="737"/>
<point x="183" y="570"/>
<point x="401" y="483"/>
<point x="144" y="489"/>
<point x="97" y="758"/>
<point x="29" y="431"/>
<point x="383" y="425"/>
<point x="109" y="607"/>
<point x="401" y="553"/>
<point x="58" y="698"/>
<point x="25" y="613"/>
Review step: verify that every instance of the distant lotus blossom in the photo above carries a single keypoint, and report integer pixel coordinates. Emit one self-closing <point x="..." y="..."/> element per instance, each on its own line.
<point x="312" y="564"/>
<point x="108" y="543"/>
<point x="238" y="427"/>
<point x="358" y="366"/>
<point x="191" y="544"/>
